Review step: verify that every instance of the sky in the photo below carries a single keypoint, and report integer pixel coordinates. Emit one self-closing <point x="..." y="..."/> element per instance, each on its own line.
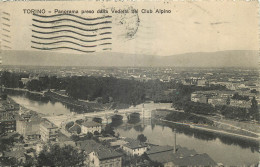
<point x="192" y="26"/>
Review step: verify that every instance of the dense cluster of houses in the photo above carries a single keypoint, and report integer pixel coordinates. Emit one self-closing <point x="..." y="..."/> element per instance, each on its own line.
<point x="8" y="109"/>
<point x="223" y="98"/>
<point x="98" y="155"/>
<point x="38" y="133"/>
<point x="198" y="81"/>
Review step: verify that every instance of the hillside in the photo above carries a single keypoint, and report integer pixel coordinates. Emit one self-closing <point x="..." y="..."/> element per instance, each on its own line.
<point x="239" y="58"/>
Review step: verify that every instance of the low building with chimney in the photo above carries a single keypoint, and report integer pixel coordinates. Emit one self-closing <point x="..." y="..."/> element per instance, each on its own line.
<point x="181" y="156"/>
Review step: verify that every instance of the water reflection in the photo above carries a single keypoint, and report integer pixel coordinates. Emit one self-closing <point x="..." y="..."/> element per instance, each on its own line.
<point x="28" y="95"/>
<point x="209" y="136"/>
<point x="226" y="149"/>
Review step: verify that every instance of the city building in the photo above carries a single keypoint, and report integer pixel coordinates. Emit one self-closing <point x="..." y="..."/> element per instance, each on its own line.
<point x="195" y="81"/>
<point x="8" y="112"/>
<point x="134" y="147"/>
<point x="99" y="155"/>
<point x="199" y="98"/>
<point x="48" y="131"/>
<point x="214" y="101"/>
<point x="118" y="143"/>
<point x="7" y="121"/>
<point x="240" y="103"/>
<point x="28" y="125"/>
<point x="90" y="126"/>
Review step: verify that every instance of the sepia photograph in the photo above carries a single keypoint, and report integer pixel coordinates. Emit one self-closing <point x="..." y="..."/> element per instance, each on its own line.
<point x="129" y="83"/>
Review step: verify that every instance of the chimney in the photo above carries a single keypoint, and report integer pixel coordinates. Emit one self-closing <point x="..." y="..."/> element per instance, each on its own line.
<point x="174" y="147"/>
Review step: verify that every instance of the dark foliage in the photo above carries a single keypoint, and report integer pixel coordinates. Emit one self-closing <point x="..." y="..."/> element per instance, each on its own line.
<point x="69" y="125"/>
<point x="141" y="138"/>
<point x="109" y="130"/>
<point x="236" y="96"/>
<point x="98" y="120"/>
<point x="133" y="118"/>
<point x="60" y="156"/>
<point x="183" y="117"/>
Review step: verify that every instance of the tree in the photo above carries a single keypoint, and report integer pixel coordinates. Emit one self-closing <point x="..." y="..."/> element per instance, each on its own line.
<point x="254" y="111"/>
<point x="4" y="96"/>
<point x="254" y="104"/>
<point x="117" y="120"/>
<point x="105" y="98"/>
<point x="134" y="118"/>
<point x="96" y="133"/>
<point x="109" y="130"/>
<point x="236" y="96"/>
<point x="98" y="120"/>
<point x="141" y="138"/>
<point x="35" y="85"/>
<point x="69" y="125"/>
<point x="89" y="135"/>
<point x="75" y="138"/>
<point x="79" y="121"/>
<point x="9" y="162"/>
<point x="60" y="156"/>
<point x="79" y="130"/>
<point x="228" y="100"/>
<point x="253" y="91"/>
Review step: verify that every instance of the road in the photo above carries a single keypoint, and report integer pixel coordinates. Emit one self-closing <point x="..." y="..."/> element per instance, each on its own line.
<point x="213" y="130"/>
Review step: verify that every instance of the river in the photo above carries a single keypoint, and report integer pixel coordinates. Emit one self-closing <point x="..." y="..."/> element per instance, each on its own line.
<point x="227" y="150"/>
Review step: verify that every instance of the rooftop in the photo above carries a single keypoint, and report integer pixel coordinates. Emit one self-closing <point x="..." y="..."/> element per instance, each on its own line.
<point x="182" y="157"/>
<point x="158" y="149"/>
<point x="74" y="128"/>
<point x="101" y="151"/>
<point x="48" y="124"/>
<point x="118" y="143"/>
<point x="133" y="144"/>
<point x="196" y="160"/>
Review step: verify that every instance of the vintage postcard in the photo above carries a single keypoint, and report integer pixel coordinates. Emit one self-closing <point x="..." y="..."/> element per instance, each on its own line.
<point x="110" y="83"/>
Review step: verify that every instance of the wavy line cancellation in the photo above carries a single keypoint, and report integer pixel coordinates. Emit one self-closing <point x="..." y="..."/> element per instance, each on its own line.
<point x="71" y="31"/>
<point x="57" y="42"/>
<point x="63" y="47"/>
<point x="60" y="20"/>
<point x="53" y="27"/>
<point x="58" y="15"/>
<point x="53" y="32"/>
<point x="68" y="36"/>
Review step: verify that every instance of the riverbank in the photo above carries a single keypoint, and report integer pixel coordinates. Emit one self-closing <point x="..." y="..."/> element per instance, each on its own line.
<point x="84" y="105"/>
<point x="213" y="129"/>
<point x="24" y="90"/>
<point x="161" y="133"/>
<point x="216" y="129"/>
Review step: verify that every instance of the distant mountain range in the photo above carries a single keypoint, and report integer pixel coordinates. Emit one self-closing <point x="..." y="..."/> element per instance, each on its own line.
<point x="232" y="58"/>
